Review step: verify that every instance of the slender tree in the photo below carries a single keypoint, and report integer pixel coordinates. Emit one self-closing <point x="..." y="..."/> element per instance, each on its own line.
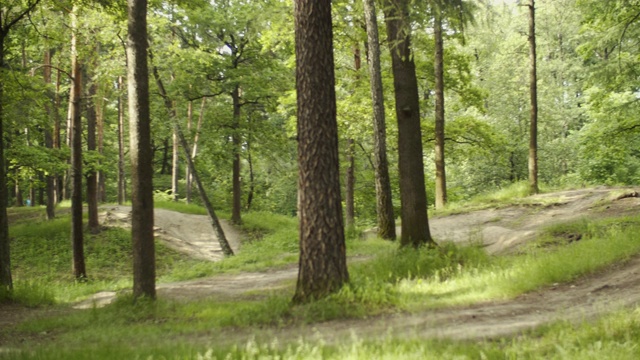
<point x="533" y="125"/>
<point x="122" y="196"/>
<point x="323" y="266"/>
<point x="413" y="198"/>
<point x="75" y="119"/>
<point x="384" y="204"/>
<point x="48" y="136"/>
<point x="144" y="269"/>
<point x="92" y="174"/>
<point x="441" y="178"/>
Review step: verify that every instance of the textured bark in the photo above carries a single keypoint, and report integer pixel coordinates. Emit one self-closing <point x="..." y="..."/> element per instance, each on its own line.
<point x="533" y="131"/>
<point x="236" y="216"/>
<point x="144" y="270"/>
<point x="384" y="204"/>
<point x="441" y="177"/>
<point x="122" y="194"/>
<point x="92" y="175"/>
<point x="323" y="266"/>
<point x="413" y="198"/>
<point x="77" y="237"/>
<point x="48" y="138"/>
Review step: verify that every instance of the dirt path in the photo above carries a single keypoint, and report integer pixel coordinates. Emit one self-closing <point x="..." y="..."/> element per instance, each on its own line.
<point x="500" y="230"/>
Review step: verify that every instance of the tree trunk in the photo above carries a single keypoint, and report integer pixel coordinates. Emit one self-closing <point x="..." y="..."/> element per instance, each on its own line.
<point x="92" y="176"/>
<point x="175" y="162"/>
<point x="122" y="196"/>
<point x="144" y="269"/>
<point x="533" y="132"/>
<point x="56" y="134"/>
<point x="236" y="216"/>
<point x="215" y="223"/>
<point x="350" y="182"/>
<point x="187" y="170"/>
<point x="194" y="151"/>
<point x="384" y="204"/>
<point x="102" y="191"/>
<point x="19" y="201"/>
<point x="252" y="184"/>
<point x="441" y="178"/>
<point x="413" y="198"/>
<point x="322" y="266"/>
<point x="6" y="281"/>
<point x="77" y="238"/>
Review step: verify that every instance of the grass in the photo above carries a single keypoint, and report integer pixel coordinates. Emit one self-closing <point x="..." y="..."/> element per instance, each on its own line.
<point x="384" y="279"/>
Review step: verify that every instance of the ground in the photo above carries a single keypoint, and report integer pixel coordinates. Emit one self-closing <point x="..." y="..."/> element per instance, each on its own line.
<point x="500" y="230"/>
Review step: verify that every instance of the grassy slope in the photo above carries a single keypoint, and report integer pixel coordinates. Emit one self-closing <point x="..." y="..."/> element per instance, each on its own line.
<point x="391" y="281"/>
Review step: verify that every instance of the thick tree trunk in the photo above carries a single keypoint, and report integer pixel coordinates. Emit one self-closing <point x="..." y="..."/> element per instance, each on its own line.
<point x="384" y="204"/>
<point x="323" y="266"/>
<point x="92" y="176"/>
<point x="122" y="194"/>
<point x="144" y="268"/>
<point x="441" y="178"/>
<point x="77" y="237"/>
<point x="533" y="132"/>
<point x="236" y="216"/>
<point x="413" y="198"/>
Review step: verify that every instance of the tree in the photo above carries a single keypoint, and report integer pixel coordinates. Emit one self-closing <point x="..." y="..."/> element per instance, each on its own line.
<point x="10" y="15"/>
<point x="533" y="92"/>
<point x="144" y="272"/>
<point x="413" y="198"/>
<point x="75" y="119"/>
<point x="441" y="177"/>
<point x="384" y="204"/>
<point x="323" y="266"/>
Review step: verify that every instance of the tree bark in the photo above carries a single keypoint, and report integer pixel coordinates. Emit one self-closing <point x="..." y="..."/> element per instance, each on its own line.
<point x="102" y="191"/>
<point x="413" y="198"/>
<point x="175" y="162"/>
<point x="236" y="216"/>
<point x="144" y="270"/>
<point x="384" y="204"/>
<point x="533" y="131"/>
<point x="322" y="266"/>
<point x="77" y="237"/>
<point x="441" y="178"/>
<point x="122" y="195"/>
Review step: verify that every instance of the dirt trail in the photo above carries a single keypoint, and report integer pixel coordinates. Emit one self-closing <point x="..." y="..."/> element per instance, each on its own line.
<point x="500" y="230"/>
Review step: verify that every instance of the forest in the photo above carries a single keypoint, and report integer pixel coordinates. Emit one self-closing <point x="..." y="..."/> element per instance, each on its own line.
<point x="259" y="179"/>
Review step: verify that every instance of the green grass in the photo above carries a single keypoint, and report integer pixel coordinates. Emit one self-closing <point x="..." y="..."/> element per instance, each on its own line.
<point x="384" y="279"/>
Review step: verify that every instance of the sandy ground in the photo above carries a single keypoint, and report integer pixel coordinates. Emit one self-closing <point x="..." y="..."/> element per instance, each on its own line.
<point x="500" y="230"/>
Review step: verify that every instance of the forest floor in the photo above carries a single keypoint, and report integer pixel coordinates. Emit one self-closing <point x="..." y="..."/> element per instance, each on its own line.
<point x="501" y="229"/>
